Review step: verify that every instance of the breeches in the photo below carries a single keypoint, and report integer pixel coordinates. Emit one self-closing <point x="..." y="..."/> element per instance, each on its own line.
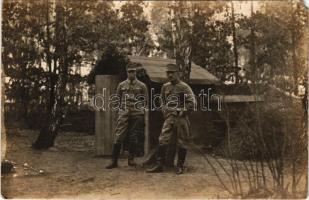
<point x="175" y="126"/>
<point x="131" y="125"/>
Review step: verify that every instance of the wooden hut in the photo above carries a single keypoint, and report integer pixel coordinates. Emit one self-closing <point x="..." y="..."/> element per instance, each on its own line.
<point x="155" y="69"/>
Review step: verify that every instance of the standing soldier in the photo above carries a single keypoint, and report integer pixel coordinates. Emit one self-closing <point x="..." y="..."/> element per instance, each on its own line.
<point x="133" y="96"/>
<point x="178" y="100"/>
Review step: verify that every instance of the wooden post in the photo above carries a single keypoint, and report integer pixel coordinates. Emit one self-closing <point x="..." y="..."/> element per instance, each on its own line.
<point x="105" y="119"/>
<point x="147" y="137"/>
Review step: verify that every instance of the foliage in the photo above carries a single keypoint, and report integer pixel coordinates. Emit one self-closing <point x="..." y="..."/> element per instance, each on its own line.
<point x="20" y="55"/>
<point x="112" y="62"/>
<point x="34" y="53"/>
<point x="212" y="48"/>
<point x="276" y="42"/>
<point x="271" y="142"/>
<point x="270" y="137"/>
<point x="197" y="30"/>
<point x="134" y="29"/>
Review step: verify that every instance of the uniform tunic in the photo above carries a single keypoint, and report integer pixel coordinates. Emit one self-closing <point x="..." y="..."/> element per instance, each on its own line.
<point x="133" y="97"/>
<point x="176" y="98"/>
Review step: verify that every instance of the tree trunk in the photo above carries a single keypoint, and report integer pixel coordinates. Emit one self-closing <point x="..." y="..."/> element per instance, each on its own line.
<point x="294" y="59"/>
<point x="49" y="131"/>
<point x="181" y="35"/>
<point x="47" y="44"/>
<point x="295" y="66"/>
<point x="235" y="49"/>
<point x="252" y="51"/>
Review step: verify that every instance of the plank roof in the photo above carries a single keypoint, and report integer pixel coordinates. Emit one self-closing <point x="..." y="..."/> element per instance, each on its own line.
<point x="155" y="68"/>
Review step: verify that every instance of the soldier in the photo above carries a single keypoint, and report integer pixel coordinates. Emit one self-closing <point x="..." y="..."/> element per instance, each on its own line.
<point x="133" y="95"/>
<point x="178" y="100"/>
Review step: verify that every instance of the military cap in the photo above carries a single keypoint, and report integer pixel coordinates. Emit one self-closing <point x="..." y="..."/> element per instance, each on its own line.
<point x="171" y="68"/>
<point x="131" y="67"/>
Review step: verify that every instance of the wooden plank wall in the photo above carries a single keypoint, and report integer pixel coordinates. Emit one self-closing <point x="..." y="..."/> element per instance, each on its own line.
<point x="105" y="121"/>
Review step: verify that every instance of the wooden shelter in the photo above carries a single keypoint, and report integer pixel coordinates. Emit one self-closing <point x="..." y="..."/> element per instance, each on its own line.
<point x="155" y="69"/>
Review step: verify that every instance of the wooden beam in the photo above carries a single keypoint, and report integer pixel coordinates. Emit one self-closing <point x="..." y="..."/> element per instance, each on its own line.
<point x="105" y="120"/>
<point x="147" y="136"/>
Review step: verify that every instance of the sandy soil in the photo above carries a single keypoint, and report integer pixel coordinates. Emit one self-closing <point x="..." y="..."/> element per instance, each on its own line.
<point x="71" y="170"/>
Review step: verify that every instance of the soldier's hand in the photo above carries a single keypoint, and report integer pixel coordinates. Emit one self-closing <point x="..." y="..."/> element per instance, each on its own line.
<point x="164" y="109"/>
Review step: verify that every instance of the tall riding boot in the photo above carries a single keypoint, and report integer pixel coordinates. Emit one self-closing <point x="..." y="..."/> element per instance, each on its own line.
<point x="131" y="156"/>
<point x="182" y="152"/>
<point x="158" y="167"/>
<point x="115" y="155"/>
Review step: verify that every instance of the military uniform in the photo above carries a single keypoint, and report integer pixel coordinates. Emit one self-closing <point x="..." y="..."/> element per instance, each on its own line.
<point x="178" y="101"/>
<point x="133" y="96"/>
<point x="175" y="124"/>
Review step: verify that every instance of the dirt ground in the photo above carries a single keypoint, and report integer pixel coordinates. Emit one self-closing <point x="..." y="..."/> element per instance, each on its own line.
<point x="71" y="170"/>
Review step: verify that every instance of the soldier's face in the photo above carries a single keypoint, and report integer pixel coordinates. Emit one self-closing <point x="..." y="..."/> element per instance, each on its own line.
<point x="172" y="76"/>
<point x="131" y="74"/>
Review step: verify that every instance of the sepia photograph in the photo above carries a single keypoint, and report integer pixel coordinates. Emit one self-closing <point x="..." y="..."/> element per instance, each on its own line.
<point x="141" y="99"/>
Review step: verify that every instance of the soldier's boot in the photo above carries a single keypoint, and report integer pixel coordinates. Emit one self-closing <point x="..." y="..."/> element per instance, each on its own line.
<point x="158" y="167"/>
<point x="131" y="162"/>
<point x="182" y="152"/>
<point x="115" y="155"/>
